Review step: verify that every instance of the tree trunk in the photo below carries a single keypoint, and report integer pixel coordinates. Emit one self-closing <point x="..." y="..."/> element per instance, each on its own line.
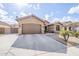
<point x="66" y="37"/>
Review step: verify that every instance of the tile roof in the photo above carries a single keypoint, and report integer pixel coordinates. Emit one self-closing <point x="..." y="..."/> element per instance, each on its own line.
<point x="24" y="17"/>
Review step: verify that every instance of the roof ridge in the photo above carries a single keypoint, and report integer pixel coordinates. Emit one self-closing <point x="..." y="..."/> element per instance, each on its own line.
<point x="29" y="16"/>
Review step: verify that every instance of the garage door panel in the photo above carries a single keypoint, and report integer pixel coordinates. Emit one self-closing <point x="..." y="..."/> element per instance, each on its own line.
<point x="31" y="28"/>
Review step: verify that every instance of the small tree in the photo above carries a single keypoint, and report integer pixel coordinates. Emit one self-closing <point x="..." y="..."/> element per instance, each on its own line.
<point x="46" y="30"/>
<point x="65" y="34"/>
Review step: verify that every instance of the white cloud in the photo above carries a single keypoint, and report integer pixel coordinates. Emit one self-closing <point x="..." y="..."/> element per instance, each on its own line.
<point x="14" y="13"/>
<point x="55" y="20"/>
<point x="74" y="10"/>
<point x="22" y="14"/>
<point x="30" y="8"/>
<point x="64" y="19"/>
<point x="46" y="16"/>
<point x="3" y="12"/>
<point x="51" y="19"/>
<point x="20" y="5"/>
<point x="51" y="14"/>
<point x="67" y="18"/>
<point x="36" y="6"/>
<point x="30" y="13"/>
<point x="8" y="19"/>
<point x="1" y="5"/>
<point x="4" y="17"/>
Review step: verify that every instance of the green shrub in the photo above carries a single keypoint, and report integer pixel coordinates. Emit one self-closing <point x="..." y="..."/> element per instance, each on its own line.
<point x="46" y="30"/>
<point x="65" y="33"/>
<point x="76" y="34"/>
<point x="71" y="33"/>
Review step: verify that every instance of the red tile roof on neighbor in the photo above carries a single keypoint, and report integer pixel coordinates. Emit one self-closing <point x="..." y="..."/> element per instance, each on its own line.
<point x="46" y="22"/>
<point x="24" y="17"/>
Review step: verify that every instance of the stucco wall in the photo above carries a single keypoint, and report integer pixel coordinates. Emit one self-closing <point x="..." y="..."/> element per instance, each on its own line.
<point x="30" y="20"/>
<point x="6" y="29"/>
<point x="52" y="28"/>
<point x="4" y="26"/>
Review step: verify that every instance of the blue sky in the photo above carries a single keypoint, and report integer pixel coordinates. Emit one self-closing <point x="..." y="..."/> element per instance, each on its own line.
<point x="48" y="11"/>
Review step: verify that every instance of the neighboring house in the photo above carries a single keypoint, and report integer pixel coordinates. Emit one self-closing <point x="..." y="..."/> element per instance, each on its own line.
<point x="30" y="25"/>
<point x="76" y="26"/>
<point x="55" y="27"/>
<point x="4" y="28"/>
<point x="71" y="26"/>
<point x="14" y="28"/>
<point x="68" y="25"/>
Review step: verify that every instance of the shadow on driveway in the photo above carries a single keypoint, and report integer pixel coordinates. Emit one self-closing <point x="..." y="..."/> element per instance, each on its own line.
<point x="39" y="42"/>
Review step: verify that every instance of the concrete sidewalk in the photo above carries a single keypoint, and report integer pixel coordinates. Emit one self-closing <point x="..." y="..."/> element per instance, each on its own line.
<point x="6" y="41"/>
<point x="71" y="51"/>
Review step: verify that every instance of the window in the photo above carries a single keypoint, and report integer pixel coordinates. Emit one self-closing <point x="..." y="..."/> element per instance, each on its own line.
<point x="70" y="28"/>
<point x="57" y="27"/>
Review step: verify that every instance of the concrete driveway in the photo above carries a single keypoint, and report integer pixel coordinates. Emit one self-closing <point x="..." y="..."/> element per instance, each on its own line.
<point x="39" y="42"/>
<point x="32" y="45"/>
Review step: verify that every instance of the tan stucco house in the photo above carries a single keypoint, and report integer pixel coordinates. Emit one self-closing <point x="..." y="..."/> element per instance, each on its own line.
<point x="68" y="25"/>
<point x="55" y="27"/>
<point x="74" y="26"/>
<point x="4" y="28"/>
<point x="71" y="26"/>
<point x="30" y="25"/>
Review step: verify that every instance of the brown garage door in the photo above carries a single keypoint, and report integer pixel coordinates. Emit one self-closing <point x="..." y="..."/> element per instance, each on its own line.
<point x="2" y="30"/>
<point x="31" y="28"/>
